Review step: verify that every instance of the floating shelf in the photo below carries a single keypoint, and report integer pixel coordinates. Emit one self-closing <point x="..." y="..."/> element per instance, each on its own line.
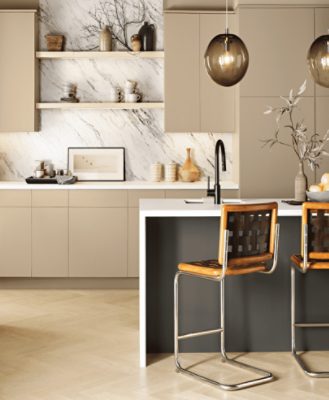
<point x="98" y="54"/>
<point x="99" y="106"/>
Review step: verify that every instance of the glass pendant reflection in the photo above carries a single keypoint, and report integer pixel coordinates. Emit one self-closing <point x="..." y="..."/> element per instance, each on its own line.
<point x="227" y="59"/>
<point x="318" y="59"/>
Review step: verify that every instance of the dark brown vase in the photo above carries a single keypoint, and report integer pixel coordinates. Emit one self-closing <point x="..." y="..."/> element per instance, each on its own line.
<point x="147" y="35"/>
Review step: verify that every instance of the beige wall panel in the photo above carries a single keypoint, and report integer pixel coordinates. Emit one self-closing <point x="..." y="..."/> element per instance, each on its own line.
<point x="50" y="242"/>
<point x="135" y="195"/>
<point x="98" y="242"/>
<point x="15" y="242"/>
<point x="50" y="198"/>
<point x="15" y="198"/>
<point x="186" y="194"/>
<point x="17" y="72"/>
<point x="264" y="172"/>
<point x="133" y="242"/>
<point x="217" y="103"/>
<point x="182" y="95"/>
<point x="321" y="28"/>
<point x="277" y="41"/>
<point x="19" y="4"/>
<point x="322" y="126"/>
<point x="98" y="198"/>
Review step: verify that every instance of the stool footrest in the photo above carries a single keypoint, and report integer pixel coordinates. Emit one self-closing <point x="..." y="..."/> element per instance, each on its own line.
<point x="202" y="333"/>
<point x="312" y="325"/>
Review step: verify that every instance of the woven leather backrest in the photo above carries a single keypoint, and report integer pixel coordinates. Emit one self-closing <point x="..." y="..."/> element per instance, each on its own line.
<point x="251" y="232"/>
<point x="316" y="216"/>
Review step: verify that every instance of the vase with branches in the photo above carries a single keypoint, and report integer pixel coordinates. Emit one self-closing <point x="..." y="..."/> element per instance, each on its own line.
<point x="118" y="15"/>
<point x="307" y="148"/>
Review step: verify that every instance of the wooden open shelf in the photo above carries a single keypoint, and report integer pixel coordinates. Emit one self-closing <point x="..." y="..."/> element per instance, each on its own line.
<point x="99" y="106"/>
<point x="62" y="55"/>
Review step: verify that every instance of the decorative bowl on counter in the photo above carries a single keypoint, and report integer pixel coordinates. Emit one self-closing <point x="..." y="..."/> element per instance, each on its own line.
<point x="318" y="196"/>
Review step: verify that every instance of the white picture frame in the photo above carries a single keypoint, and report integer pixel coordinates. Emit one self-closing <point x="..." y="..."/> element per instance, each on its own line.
<point x="97" y="164"/>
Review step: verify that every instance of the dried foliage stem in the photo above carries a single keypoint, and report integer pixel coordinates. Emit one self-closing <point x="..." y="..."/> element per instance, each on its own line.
<point x="308" y="149"/>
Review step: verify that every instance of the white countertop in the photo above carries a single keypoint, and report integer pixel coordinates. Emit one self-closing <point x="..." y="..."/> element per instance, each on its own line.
<point x="131" y="185"/>
<point x="178" y="208"/>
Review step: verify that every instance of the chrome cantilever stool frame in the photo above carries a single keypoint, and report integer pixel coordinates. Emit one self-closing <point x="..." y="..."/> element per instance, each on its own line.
<point x="316" y="259"/>
<point x="226" y="267"/>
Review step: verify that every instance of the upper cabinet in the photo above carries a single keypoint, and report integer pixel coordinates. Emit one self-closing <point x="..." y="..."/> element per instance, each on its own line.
<point x="193" y="102"/>
<point x="277" y="40"/>
<point x="18" y="72"/>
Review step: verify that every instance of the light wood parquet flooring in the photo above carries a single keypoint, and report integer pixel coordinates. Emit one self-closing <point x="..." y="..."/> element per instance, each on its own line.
<point x="83" y="345"/>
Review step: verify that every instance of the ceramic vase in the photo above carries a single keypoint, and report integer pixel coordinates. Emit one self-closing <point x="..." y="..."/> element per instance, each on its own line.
<point x="189" y="172"/>
<point x="147" y="35"/>
<point x="300" y="183"/>
<point x="105" y="39"/>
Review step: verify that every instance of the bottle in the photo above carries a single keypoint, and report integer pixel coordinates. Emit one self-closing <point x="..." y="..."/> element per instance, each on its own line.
<point x="105" y="39"/>
<point x="147" y="35"/>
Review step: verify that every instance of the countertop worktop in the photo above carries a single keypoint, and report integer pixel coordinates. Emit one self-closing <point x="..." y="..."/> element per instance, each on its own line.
<point x="128" y="185"/>
<point x="178" y="208"/>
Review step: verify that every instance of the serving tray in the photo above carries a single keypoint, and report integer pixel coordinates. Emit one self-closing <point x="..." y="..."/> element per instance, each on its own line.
<point x="37" y="181"/>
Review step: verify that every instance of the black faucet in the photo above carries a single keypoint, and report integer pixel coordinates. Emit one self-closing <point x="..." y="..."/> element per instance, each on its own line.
<point x="215" y="192"/>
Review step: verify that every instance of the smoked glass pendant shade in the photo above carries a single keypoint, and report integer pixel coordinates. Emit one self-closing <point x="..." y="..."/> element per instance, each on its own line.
<point x="318" y="59"/>
<point x="227" y="59"/>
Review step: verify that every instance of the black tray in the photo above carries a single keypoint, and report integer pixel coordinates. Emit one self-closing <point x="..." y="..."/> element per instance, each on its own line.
<point x="38" y="181"/>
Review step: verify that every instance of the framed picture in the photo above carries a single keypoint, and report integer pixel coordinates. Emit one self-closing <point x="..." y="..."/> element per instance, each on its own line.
<point x="97" y="163"/>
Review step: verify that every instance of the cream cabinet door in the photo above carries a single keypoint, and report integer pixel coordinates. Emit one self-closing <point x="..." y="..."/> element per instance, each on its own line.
<point x="15" y="242"/>
<point x="18" y="71"/>
<point x="277" y="40"/>
<point x="264" y="172"/>
<point x="182" y="94"/>
<point x="133" y="242"/>
<point x="217" y="103"/>
<point x="50" y="242"/>
<point x="98" y="242"/>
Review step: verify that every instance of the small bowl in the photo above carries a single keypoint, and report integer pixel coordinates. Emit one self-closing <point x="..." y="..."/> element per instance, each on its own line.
<point x="318" y="196"/>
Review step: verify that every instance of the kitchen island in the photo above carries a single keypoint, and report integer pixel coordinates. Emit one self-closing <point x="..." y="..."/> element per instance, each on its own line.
<point x="258" y="307"/>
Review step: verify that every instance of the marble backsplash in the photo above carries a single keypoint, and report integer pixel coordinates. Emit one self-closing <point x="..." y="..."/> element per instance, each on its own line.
<point x="141" y="132"/>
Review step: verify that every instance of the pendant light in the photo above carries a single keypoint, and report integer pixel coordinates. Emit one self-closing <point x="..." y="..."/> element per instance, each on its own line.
<point x="226" y="57"/>
<point x="318" y="60"/>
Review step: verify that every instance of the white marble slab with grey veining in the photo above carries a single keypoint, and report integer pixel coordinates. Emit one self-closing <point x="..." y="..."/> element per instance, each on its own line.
<point x="140" y="132"/>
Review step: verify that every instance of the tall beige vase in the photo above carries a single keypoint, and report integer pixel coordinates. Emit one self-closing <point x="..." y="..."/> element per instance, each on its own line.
<point x="189" y="172"/>
<point x="300" y="183"/>
<point x="105" y="39"/>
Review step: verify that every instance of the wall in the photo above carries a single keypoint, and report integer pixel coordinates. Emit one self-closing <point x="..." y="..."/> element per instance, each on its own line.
<point x="140" y="132"/>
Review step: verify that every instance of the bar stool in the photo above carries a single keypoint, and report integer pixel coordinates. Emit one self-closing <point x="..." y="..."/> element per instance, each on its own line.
<point x="314" y="256"/>
<point x="249" y="237"/>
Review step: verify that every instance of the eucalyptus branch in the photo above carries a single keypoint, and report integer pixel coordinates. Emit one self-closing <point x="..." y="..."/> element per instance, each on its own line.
<point x="309" y="149"/>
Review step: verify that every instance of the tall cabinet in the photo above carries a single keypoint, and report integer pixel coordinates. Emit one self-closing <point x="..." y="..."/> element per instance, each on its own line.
<point x="277" y="40"/>
<point x="193" y="102"/>
<point x="18" y="71"/>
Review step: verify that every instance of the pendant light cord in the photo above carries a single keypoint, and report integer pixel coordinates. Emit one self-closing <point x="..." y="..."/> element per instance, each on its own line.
<point x="226" y="18"/>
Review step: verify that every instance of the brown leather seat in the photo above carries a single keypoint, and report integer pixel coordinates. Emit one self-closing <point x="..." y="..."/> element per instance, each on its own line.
<point x="312" y="263"/>
<point x="213" y="269"/>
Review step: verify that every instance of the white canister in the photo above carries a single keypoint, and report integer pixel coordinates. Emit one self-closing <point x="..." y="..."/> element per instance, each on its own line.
<point x="105" y="39"/>
<point x="156" y="172"/>
<point x="171" y="172"/>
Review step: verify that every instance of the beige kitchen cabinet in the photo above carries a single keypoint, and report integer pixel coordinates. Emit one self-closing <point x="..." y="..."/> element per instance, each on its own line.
<point x="322" y="126"/>
<point x="186" y="194"/>
<point x="133" y="226"/>
<point x="18" y="71"/>
<point x="277" y="40"/>
<point x="321" y="28"/>
<point x="193" y="102"/>
<point x="182" y="92"/>
<point x="50" y="242"/>
<point x="98" y="242"/>
<point x="264" y="172"/>
<point x="217" y="103"/>
<point x="15" y="242"/>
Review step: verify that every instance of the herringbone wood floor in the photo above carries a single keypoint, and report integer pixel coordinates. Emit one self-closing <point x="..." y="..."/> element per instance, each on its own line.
<point x="83" y="345"/>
